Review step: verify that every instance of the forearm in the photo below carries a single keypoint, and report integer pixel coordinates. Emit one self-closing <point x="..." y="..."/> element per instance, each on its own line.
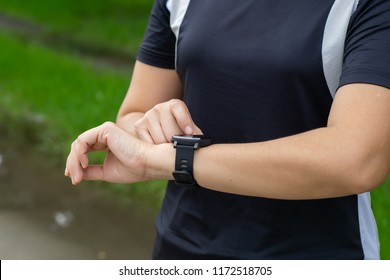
<point x="321" y="163"/>
<point x="304" y="166"/>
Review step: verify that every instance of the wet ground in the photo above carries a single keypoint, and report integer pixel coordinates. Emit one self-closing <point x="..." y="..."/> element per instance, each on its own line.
<point x="42" y="216"/>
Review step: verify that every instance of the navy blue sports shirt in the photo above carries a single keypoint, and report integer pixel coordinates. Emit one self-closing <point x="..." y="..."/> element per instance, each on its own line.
<point x="258" y="70"/>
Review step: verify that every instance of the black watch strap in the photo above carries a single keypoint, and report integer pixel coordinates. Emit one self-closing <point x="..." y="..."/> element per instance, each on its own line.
<point x="183" y="173"/>
<point x="185" y="146"/>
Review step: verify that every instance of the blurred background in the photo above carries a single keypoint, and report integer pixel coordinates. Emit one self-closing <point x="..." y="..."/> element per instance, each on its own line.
<point x="65" y="66"/>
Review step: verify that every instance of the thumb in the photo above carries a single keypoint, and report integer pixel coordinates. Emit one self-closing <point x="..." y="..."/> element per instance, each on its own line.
<point x="197" y="130"/>
<point x="93" y="173"/>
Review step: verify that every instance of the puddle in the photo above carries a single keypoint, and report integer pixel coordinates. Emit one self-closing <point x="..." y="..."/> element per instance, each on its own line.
<point x="42" y="216"/>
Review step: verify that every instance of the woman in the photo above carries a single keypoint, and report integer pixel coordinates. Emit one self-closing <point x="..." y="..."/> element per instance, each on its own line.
<point x="290" y="169"/>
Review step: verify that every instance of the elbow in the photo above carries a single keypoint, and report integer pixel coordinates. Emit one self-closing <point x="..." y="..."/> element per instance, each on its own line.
<point x="120" y="115"/>
<point x="365" y="176"/>
<point x="118" y="118"/>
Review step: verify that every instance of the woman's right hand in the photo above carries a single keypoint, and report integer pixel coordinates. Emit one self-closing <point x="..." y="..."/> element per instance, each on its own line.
<point x="164" y="120"/>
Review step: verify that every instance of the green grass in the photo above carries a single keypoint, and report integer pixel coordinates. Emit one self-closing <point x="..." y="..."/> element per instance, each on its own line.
<point x="110" y="23"/>
<point x="70" y="93"/>
<point x="381" y="207"/>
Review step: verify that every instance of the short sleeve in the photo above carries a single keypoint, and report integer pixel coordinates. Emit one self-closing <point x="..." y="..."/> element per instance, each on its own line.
<point x="158" y="45"/>
<point x="367" y="46"/>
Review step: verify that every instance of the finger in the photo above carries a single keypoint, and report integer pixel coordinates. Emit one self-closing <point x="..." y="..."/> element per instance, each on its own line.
<point x="76" y="176"/>
<point x="94" y="139"/>
<point x="157" y="134"/>
<point x="142" y="131"/>
<point x="182" y="115"/>
<point x="169" y="126"/>
<point x="73" y="167"/>
<point x="144" y="135"/>
<point x="76" y="173"/>
<point x="94" y="172"/>
<point x="153" y="126"/>
<point x="84" y="160"/>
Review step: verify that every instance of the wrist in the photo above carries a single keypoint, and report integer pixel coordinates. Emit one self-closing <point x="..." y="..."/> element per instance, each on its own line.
<point x="160" y="161"/>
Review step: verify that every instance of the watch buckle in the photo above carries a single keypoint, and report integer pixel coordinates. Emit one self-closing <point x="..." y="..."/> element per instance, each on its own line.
<point x="183" y="178"/>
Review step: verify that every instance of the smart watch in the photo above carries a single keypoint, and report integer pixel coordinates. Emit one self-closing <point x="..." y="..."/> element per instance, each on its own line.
<point x="185" y="146"/>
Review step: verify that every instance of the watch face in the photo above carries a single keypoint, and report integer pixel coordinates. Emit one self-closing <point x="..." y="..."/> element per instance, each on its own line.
<point x="188" y="137"/>
<point x="189" y="140"/>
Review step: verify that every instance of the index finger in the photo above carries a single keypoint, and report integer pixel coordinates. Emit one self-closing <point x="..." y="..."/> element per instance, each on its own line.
<point x="182" y="115"/>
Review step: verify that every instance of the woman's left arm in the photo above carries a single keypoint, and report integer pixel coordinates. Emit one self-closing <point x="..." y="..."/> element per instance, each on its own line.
<point x="349" y="156"/>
